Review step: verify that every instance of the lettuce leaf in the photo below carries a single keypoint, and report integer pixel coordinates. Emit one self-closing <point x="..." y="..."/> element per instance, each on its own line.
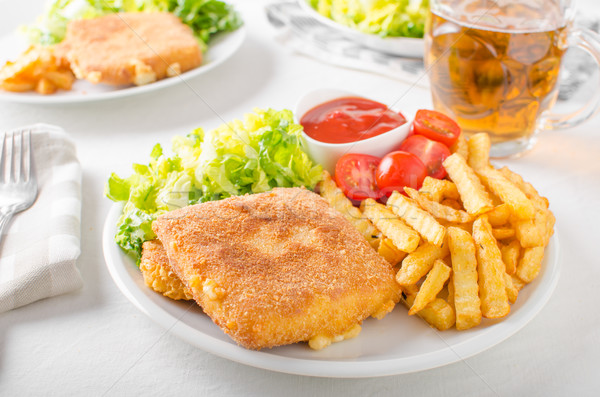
<point x="205" y="17"/>
<point x="386" y="18"/>
<point x="253" y="155"/>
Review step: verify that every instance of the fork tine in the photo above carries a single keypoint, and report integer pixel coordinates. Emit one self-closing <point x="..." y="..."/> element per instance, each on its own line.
<point x="2" y="157"/>
<point x="8" y="146"/>
<point x="18" y="153"/>
<point x="28" y="155"/>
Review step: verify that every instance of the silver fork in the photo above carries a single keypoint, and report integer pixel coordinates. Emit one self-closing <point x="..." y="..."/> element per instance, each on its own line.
<point x="18" y="185"/>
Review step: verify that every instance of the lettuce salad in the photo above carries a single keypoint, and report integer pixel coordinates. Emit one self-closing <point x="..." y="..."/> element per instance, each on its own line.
<point x="253" y="155"/>
<point x="386" y="18"/>
<point x="205" y="17"/>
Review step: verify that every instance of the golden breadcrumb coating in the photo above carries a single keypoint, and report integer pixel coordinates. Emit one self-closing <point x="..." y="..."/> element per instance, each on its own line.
<point x="157" y="273"/>
<point x="277" y="268"/>
<point x="130" y="48"/>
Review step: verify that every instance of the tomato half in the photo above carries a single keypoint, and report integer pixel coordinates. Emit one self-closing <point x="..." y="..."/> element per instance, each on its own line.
<point x="399" y="169"/>
<point x="436" y="126"/>
<point x="355" y="175"/>
<point x="431" y="153"/>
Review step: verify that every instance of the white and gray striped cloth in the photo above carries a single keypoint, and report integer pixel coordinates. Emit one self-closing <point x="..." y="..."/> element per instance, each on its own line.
<point x="40" y="246"/>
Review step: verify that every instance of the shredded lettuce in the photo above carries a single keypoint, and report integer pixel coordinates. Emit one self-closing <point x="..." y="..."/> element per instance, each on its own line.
<point x="253" y="155"/>
<point x="205" y="17"/>
<point x="386" y="18"/>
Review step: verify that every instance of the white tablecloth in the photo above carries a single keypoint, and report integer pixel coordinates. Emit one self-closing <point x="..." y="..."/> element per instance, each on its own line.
<point x="95" y="341"/>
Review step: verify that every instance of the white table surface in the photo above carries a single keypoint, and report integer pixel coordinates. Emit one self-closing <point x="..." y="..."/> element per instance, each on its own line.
<point x="95" y="341"/>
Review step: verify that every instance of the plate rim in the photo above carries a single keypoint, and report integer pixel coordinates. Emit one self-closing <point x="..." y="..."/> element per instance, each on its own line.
<point x="479" y="343"/>
<point x="236" y="37"/>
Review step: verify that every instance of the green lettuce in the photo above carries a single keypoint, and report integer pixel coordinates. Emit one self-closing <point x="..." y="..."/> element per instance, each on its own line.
<point x="205" y="17"/>
<point x="253" y="155"/>
<point x="386" y="18"/>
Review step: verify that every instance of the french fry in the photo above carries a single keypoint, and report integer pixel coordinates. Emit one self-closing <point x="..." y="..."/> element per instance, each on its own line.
<point x="438" y="313"/>
<point x="467" y="304"/>
<point x="461" y="147"/>
<point x="479" y="151"/>
<point x="419" y="262"/>
<point x="390" y="252"/>
<point x="472" y="193"/>
<point x="543" y="223"/>
<point x="404" y="238"/>
<point x="517" y="282"/>
<point x="438" y="210"/>
<point x="492" y="285"/>
<point x="433" y="284"/>
<point x="508" y="192"/>
<point x="45" y="87"/>
<point x="338" y="200"/>
<point x="530" y="263"/>
<point x="452" y="204"/>
<point x="420" y="220"/>
<point x="511" y="291"/>
<point x="503" y="233"/>
<point x="451" y="292"/>
<point x="532" y="232"/>
<point x="438" y="189"/>
<point x="499" y="216"/>
<point x="510" y="255"/>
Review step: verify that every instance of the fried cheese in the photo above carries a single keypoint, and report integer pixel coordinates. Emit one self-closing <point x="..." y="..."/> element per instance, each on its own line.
<point x="277" y="268"/>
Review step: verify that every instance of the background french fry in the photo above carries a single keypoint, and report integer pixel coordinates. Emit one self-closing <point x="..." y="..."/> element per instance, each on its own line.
<point x="492" y="285"/>
<point x="419" y="262"/>
<point x="433" y="284"/>
<point x="479" y="150"/>
<point x="417" y="218"/>
<point x="467" y="305"/>
<point x="472" y="193"/>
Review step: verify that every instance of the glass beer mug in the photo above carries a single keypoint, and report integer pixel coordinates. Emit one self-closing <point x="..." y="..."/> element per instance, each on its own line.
<point x="493" y="66"/>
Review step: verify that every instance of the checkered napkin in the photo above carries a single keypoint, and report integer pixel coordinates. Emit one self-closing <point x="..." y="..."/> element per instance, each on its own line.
<point x="40" y="245"/>
<point x="299" y="32"/>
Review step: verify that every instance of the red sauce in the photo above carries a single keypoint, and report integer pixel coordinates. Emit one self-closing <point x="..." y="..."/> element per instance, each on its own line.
<point x="349" y="119"/>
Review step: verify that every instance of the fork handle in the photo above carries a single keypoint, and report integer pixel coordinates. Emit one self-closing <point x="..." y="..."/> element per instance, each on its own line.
<point x="5" y="217"/>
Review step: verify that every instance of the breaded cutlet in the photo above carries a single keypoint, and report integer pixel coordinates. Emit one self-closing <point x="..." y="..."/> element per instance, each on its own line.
<point x="277" y="268"/>
<point x="129" y="48"/>
<point x="157" y="272"/>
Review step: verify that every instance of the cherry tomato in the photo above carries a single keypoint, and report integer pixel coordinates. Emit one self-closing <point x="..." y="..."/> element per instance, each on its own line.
<point x="355" y="175"/>
<point x="436" y="126"/>
<point x="399" y="169"/>
<point x="431" y="153"/>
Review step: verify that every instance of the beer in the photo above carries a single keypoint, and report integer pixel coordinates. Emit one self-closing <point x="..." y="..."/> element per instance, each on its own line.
<point x="495" y="71"/>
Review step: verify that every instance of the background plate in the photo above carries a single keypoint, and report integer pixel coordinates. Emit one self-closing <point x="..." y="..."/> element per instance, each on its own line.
<point x="221" y="47"/>
<point x="402" y="46"/>
<point x="377" y="351"/>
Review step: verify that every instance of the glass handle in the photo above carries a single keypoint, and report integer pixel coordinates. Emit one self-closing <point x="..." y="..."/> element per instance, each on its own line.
<point x="589" y="42"/>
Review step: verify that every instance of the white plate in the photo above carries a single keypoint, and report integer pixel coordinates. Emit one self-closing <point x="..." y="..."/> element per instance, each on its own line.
<point x="395" y="345"/>
<point x="221" y="47"/>
<point x="402" y="46"/>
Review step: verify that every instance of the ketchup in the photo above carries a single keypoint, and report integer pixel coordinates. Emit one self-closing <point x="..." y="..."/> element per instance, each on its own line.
<point x="349" y="119"/>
